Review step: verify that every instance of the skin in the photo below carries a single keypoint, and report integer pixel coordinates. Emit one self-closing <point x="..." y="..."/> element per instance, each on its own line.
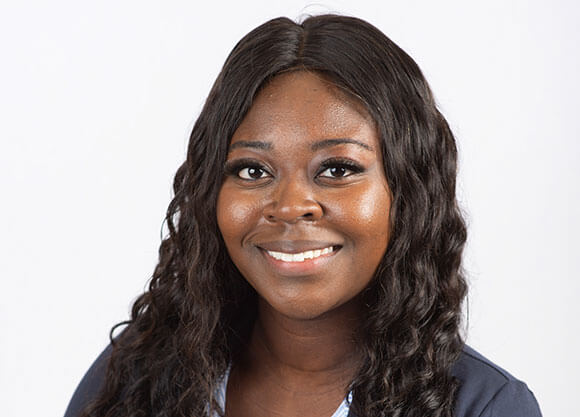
<point x="288" y="190"/>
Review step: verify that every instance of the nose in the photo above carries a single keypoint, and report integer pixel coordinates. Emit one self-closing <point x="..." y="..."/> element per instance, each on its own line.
<point x="292" y="200"/>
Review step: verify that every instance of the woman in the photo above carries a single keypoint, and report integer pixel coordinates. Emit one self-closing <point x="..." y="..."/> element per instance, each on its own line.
<point x="312" y="265"/>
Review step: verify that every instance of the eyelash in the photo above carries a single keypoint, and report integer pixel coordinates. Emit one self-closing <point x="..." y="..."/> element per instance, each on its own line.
<point x="233" y="168"/>
<point x="349" y="164"/>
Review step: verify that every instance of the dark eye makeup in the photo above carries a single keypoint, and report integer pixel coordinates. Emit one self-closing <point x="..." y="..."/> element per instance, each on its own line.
<point x="333" y="168"/>
<point x="339" y="168"/>
<point x="254" y="170"/>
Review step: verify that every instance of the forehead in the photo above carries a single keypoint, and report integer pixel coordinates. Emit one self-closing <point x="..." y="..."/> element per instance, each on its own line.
<point x="303" y="104"/>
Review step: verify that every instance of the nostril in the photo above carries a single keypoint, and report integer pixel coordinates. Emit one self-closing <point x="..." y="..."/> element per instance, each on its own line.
<point x="291" y="210"/>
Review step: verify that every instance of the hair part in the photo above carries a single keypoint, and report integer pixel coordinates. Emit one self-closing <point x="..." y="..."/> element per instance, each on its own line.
<point x="198" y="311"/>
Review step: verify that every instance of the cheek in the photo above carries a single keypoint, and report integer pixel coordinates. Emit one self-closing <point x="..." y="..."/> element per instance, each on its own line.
<point x="234" y="213"/>
<point x="367" y="213"/>
<point x="372" y="209"/>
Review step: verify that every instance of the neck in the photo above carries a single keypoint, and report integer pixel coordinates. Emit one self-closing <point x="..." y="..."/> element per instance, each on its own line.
<point x="318" y="350"/>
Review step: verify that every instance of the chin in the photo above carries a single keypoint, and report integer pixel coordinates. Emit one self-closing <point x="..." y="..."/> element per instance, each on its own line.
<point x="311" y="310"/>
<point x="303" y="314"/>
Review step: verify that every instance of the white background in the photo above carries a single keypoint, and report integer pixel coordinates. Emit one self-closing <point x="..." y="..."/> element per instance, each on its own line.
<point x="96" y="102"/>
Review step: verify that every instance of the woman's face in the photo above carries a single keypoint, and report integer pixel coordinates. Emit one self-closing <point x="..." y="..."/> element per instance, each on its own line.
<point x="304" y="207"/>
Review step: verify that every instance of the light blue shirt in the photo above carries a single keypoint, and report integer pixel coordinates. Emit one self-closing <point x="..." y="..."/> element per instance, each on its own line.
<point x="341" y="411"/>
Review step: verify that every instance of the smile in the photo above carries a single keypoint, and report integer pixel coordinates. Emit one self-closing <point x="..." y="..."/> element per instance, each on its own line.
<point x="301" y="256"/>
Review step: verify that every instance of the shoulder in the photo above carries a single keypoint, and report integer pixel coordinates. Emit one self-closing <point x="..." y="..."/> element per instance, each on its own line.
<point x="90" y="385"/>
<point x="487" y="390"/>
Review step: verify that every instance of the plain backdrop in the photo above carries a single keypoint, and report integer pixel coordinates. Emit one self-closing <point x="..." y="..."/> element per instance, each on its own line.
<point x="96" y="102"/>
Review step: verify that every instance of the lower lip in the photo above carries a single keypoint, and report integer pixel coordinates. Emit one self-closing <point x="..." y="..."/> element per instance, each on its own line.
<point x="307" y="266"/>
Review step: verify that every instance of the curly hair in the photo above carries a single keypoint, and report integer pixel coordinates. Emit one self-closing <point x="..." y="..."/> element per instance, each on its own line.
<point x="198" y="310"/>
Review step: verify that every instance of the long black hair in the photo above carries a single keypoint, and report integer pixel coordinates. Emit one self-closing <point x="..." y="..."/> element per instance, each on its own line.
<point x="198" y="310"/>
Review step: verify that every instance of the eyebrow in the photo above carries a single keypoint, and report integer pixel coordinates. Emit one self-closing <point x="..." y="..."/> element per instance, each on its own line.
<point x="326" y="143"/>
<point x="251" y="144"/>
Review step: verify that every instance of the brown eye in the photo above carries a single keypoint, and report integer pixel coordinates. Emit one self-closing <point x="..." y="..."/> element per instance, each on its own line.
<point x="336" y="168"/>
<point x="252" y="173"/>
<point x="336" y="172"/>
<point x="246" y="170"/>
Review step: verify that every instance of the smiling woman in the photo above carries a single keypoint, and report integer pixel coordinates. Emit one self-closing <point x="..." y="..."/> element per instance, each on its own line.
<point x="305" y="215"/>
<point x="313" y="263"/>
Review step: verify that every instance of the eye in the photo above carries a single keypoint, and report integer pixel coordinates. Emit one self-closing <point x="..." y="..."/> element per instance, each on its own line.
<point x="337" y="168"/>
<point x="336" y="172"/>
<point x="251" y="173"/>
<point x="246" y="170"/>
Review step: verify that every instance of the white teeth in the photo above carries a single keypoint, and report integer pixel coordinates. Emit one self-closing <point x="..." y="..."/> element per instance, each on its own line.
<point x="299" y="257"/>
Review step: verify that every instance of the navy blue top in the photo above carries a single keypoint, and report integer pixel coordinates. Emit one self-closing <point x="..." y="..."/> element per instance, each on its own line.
<point x="486" y="389"/>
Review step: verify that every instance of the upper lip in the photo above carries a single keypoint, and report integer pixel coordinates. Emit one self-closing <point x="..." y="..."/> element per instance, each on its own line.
<point x="294" y="246"/>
